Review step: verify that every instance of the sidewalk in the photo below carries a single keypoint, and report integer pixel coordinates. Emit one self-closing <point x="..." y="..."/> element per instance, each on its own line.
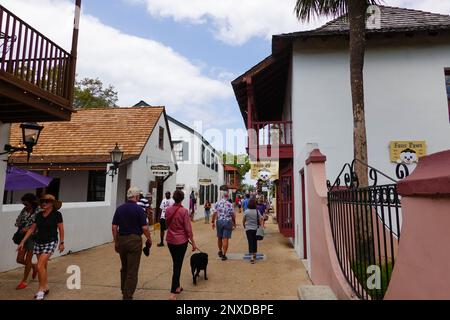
<point x="278" y="277"/>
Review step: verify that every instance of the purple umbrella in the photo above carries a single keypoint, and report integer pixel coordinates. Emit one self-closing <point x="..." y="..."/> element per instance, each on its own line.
<point x="20" y="179"/>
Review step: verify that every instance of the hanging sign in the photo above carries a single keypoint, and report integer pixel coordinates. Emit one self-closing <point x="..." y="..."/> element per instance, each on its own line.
<point x="264" y="170"/>
<point x="204" y="182"/>
<point x="407" y="152"/>
<point x="160" y="170"/>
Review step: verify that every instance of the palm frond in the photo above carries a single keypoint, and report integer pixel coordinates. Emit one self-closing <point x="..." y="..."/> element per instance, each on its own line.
<point x="306" y="10"/>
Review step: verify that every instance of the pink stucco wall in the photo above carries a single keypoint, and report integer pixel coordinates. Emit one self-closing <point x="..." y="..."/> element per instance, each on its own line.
<point x="325" y="268"/>
<point x="423" y="260"/>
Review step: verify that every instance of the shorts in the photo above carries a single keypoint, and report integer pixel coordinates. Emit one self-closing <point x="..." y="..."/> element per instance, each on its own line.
<point x="47" y="248"/>
<point x="224" y="228"/>
<point x="162" y="224"/>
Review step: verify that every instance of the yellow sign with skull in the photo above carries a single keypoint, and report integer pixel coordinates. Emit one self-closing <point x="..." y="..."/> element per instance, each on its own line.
<point x="264" y="170"/>
<point x="407" y="152"/>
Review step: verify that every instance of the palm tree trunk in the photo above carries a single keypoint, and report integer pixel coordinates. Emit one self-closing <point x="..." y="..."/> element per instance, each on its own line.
<point x="357" y="21"/>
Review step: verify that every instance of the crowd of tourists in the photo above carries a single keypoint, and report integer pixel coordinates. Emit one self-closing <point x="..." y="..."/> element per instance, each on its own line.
<point x="40" y="231"/>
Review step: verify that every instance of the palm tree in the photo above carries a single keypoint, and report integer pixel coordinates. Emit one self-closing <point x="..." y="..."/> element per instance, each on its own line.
<point x="355" y="10"/>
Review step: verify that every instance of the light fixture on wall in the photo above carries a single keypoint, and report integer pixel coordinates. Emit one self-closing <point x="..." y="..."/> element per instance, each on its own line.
<point x="116" y="158"/>
<point x="30" y="137"/>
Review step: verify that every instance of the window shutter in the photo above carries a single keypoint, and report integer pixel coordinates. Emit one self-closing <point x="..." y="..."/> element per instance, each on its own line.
<point x="185" y="151"/>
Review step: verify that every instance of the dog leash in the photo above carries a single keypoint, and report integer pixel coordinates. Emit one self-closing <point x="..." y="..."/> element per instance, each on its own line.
<point x="197" y="247"/>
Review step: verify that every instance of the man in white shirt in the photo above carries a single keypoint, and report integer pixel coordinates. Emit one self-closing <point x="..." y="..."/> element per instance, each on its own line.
<point x="167" y="202"/>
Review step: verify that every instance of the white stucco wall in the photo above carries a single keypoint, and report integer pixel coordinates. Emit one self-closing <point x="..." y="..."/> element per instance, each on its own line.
<point x="73" y="186"/>
<point x="86" y="225"/>
<point x="140" y="170"/>
<point x="405" y="99"/>
<point x="191" y="170"/>
<point x="404" y="94"/>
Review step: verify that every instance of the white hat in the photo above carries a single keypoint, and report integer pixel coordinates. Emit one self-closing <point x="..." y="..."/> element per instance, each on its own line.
<point x="133" y="191"/>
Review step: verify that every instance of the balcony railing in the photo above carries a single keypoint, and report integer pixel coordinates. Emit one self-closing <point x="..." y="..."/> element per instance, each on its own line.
<point x="273" y="132"/>
<point x="28" y="56"/>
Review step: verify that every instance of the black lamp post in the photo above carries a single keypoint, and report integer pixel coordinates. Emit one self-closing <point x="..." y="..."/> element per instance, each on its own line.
<point x="30" y="137"/>
<point x="116" y="158"/>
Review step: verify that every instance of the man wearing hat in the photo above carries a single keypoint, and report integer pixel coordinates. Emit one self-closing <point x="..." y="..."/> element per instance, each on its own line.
<point x="128" y="225"/>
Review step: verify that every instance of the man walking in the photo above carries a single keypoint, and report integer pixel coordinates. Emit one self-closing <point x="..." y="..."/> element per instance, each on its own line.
<point x="245" y="202"/>
<point x="225" y="219"/>
<point x="128" y="225"/>
<point x="166" y="203"/>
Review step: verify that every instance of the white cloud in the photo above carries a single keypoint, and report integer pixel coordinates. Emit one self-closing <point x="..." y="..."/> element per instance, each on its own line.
<point x="138" y="68"/>
<point x="234" y="21"/>
<point x="436" y="6"/>
<point x="237" y="21"/>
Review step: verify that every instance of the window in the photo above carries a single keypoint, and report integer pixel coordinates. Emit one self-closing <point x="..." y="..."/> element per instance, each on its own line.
<point x="216" y="193"/>
<point x="447" y="85"/>
<point x="208" y="188"/>
<point x="53" y="187"/>
<point x="96" y="186"/>
<point x="161" y="138"/>
<point x="178" y="150"/>
<point x="203" y="153"/>
<point x="202" y="195"/>
<point x="208" y="159"/>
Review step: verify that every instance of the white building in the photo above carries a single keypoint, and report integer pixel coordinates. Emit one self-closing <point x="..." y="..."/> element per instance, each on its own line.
<point x="76" y="155"/>
<point x="407" y="65"/>
<point x="200" y="166"/>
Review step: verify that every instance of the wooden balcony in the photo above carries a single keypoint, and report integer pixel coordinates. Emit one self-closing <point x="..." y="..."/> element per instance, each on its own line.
<point x="37" y="76"/>
<point x="270" y="140"/>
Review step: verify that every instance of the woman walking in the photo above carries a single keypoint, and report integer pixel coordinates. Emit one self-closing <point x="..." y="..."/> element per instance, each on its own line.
<point x="48" y="223"/>
<point x="24" y="222"/>
<point x="207" y="211"/>
<point x="252" y="219"/>
<point x="179" y="233"/>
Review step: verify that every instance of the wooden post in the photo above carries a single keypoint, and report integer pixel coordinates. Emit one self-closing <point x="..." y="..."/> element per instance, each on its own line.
<point x="74" y="52"/>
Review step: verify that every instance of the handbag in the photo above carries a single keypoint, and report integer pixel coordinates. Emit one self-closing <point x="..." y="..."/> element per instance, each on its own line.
<point x="18" y="236"/>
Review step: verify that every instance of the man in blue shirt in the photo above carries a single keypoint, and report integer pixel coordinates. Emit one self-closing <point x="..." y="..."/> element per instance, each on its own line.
<point x="245" y="202"/>
<point x="128" y="225"/>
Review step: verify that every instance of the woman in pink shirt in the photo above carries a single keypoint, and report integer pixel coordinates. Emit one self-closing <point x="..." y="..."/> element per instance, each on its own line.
<point x="179" y="233"/>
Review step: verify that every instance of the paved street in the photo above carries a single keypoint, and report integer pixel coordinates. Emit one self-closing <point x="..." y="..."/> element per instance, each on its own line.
<point x="277" y="277"/>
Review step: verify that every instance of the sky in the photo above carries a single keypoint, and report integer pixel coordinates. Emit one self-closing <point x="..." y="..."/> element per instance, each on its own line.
<point x="182" y="54"/>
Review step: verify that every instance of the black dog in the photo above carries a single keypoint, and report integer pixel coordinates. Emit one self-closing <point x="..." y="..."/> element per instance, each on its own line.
<point x="199" y="261"/>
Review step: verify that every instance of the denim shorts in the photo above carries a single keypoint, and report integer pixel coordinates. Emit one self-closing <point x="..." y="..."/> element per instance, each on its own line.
<point x="224" y="228"/>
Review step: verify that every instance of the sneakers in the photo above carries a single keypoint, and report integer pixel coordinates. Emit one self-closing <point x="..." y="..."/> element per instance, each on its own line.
<point x="224" y="257"/>
<point x="39" y="295"/>
<point x="21" y="285"/>
<point x="220" y="254"/>
<point x="160" y="244"/>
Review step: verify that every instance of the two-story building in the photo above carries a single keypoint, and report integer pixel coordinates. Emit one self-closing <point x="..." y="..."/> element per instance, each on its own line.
<point x="37" y="78"/>
<point x="299" y="98"/>
<point x="199" y="164"/>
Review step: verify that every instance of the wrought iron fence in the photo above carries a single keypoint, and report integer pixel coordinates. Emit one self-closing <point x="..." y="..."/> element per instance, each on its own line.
<point x="366" y="223"/>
